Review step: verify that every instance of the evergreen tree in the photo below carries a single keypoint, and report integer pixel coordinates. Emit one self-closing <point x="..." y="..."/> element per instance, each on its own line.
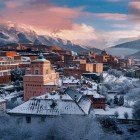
<point x="116" y="99"/>
<point x="121" y="101"/>
<point x="126" y="115"/>
<point x="116" y="114"/>
<point x="98" y="89"/>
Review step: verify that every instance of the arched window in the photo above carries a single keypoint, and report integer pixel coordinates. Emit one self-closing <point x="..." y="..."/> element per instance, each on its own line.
<point x="36" y="72"/>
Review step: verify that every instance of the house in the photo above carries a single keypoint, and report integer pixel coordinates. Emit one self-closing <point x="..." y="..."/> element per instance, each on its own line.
<point x="94" y="76"/>
<point x="83" y="68"/>
<point x="52" y="104"/>
<point x="70" y="82"/>
<point x="98" y="101"/>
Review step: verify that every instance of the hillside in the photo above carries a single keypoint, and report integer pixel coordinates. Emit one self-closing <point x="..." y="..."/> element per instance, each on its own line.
<point x="125" y="49"/>
<point x="135" y="55"/>
<point x="130" y="45"/>
<point x="14" y="35"/>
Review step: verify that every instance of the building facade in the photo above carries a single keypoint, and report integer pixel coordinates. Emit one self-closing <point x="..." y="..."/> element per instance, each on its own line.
<point x="5" y="76"/>
<point x="39" y="79"/>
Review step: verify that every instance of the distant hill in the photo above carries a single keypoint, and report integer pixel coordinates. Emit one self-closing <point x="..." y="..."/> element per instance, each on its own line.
<point x="15" y="35"/>
<point x="125" y="49"/>
<point x="130" y="45"/>
<point x="96" y="50"/>
<point x="135" y="55"/>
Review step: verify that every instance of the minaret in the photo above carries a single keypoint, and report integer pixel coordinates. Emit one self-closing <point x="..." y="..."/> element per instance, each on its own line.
<point x="36" y="82"/>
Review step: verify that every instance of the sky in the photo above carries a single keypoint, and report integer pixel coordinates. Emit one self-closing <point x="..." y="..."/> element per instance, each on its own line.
<point x="95" y="23"/>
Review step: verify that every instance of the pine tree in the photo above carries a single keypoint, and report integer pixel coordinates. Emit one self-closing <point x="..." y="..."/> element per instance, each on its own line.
<point x="116" y="114"/>
<point x="98" y="89"/>
<point x="121" y="101"/>
<point x="126" y="115"/>
<point x="116" y="99"/>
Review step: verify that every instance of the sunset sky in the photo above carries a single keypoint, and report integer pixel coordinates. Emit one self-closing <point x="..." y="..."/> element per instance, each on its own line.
<point x="97" y="23"/>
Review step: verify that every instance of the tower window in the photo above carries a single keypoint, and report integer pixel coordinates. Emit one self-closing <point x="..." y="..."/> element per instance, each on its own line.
<point x="46" y="71"/>
<point x="36" y="72"/>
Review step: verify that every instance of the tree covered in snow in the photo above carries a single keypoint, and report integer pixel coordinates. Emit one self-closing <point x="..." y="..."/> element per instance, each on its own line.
<point x="132" y="96"/>
<point x="18" y="85"/>
<point x="115" y="72"/>
<point x="121" y="101"/>
<point x="54" y="128"/>
<point x="17" y="74"/>
<point x="116" y="99"/>
<point x="116" y="114"/>
<point x="2" y="91"/>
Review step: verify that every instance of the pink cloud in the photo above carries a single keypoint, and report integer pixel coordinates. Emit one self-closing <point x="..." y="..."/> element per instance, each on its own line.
<point x="135" y="5"/>
<point x="135" y="10"/>
<point x="41" y="16"/>
<point x="80" y="33"/>
<point x="111" y="16"/>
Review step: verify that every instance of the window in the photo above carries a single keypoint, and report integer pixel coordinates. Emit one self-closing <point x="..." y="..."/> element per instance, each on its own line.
<point x="46" y="71"/>
<point x="43" y="119"/>
<point x="28" y="119"/>
<point x="36" y="72"/>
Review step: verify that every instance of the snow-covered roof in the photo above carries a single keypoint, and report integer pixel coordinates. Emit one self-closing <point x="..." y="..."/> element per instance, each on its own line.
<point x="2" y="100"/>
<point x="75" y="95"/>
<point x="111" y="112"/>
<point x="11" y="95"/>
<point x="55" y="96"/>
<point x="8" y="87"/>
<point x="41" y="59"/>
<point x="70" y="80"/>
<point x="53" y="104"/>
<point x="51" y="83"/>
<point x="93" y="93"/>
<point x="92" y="74"/>
<point x="85" y="105"/>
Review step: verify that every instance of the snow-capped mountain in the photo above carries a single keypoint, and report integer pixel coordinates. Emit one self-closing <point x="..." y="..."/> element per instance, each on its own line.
<point x="12" y="34"/>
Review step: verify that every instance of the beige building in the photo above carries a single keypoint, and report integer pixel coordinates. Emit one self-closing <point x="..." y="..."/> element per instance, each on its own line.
<point x="40" y="78"/>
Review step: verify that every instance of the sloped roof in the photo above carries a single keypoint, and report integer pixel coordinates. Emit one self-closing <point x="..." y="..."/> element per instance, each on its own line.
<point x="53" y="104"/>
<point x="74" y="94"/>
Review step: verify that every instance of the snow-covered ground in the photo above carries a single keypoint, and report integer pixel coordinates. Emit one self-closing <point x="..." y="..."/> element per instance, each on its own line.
<point x="110" y="111"/>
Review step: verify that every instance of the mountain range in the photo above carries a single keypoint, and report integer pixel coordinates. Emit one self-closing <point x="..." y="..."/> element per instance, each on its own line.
<point x="135" y="55"/>
<point x="125" y="49"/>
<point x="14" y="35"/>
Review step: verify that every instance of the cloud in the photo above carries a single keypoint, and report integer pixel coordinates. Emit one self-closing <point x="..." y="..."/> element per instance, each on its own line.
<point x="44" y="16"/>
<point x="134" y="7"/>
<point x="114" y="37"/>
<point x="80" y="33"/>
<point x="111" y="16"/>
<point x="47" y="18"/>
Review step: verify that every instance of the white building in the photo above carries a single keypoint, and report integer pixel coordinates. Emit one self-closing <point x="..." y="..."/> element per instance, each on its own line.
<point x="51" y="105"/>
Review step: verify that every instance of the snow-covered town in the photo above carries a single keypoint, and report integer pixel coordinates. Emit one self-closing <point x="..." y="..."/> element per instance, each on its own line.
<point x="37" y="92"/>
<point x="69" y="69"/>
